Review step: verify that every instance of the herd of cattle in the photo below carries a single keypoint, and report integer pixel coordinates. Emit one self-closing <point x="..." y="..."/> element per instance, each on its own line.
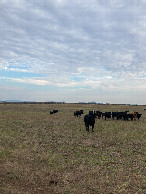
<point x="89" y="119"/>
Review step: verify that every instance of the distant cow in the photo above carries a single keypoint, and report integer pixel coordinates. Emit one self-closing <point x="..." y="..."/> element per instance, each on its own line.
<point x="138" y="116"/>
<point x="106" y="115"/>
<point x="98" y="114"/>
<point x="91" y="112"/>
<point x="77" y="113"/>
<point x="121" y="115"/>
<point x="89" y="121"/>
<point x="55" y="111"/>
<point x="130" y="116"/>
<point x="81" y="111"/>
<point x="124" y="115"/>
<point x="114" y="114"/>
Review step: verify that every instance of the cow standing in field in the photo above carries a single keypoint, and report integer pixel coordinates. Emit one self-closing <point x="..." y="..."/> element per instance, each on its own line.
<point x="129" y="116"/>
<point x="81" y="111"/>
<point x="114" y="114"/>
<point x="89" y="121"/>
<point x="77" y="113"/>
<point x="124" y="115"/>
<point x="121" y="115"/>
<point x="138" y="116"/>
<point x="98" y="114"/>
<point x="106" y="115"/>
<point x="91" y="112"/>
<point x="55" y="111"/>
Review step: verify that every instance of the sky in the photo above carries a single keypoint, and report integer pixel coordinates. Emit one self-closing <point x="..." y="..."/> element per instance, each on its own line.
<point x="73" y="50"/>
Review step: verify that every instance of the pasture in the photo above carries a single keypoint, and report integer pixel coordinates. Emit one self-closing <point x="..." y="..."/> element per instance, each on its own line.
<point x="43" y="153"/>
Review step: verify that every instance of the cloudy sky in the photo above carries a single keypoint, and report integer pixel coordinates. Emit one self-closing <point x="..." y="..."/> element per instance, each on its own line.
<point x="73" y="50"/>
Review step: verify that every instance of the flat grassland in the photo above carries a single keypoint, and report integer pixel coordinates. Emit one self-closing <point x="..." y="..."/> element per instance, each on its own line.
<point x="43" y="153"/>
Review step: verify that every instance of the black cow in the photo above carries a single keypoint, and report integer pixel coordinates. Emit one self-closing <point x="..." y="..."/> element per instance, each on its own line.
<point x="129" y="116"/>
<point x="77" y="113"/>
<point x="121" y="115"/>
<point x="98" y="114"/>
<point x="81" y="111"/>
<point x="124" y="115"/>
<point x="106" y="115"/>
<point x="91" y="112"/>
<point x="53" y="112"/>
<point x="114" y="114"/>
<point x="89" y="121"/>
<point x="138" y="116"/>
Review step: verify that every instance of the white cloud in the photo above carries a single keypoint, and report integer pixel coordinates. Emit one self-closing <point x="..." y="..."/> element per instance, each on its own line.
<point x="102" y="41"/>
<point x="106" y="83"/>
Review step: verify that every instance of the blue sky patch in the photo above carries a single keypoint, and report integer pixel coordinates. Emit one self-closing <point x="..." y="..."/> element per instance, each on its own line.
<point x="77" y="78"/>
<point x="16" y="74"/>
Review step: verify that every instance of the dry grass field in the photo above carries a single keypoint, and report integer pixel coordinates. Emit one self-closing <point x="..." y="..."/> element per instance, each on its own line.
<point x="54" y="154"/>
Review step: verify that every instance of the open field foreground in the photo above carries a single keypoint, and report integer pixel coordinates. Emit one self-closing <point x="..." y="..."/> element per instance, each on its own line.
<point x="43" y="153"/>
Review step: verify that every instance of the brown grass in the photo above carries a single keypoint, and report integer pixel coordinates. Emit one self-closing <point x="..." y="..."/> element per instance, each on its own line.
<point x="43" y="153"/>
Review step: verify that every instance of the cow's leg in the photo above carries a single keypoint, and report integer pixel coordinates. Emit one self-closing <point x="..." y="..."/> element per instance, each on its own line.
<point x="87" y="127"/>
<point x="92" y="128"/>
